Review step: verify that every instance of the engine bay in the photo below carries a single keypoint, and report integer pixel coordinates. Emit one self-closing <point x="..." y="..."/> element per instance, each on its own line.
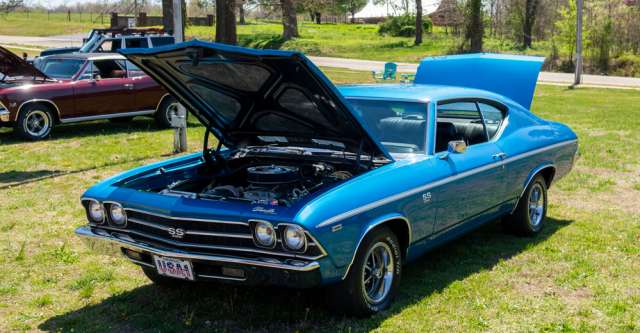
<point x="274" y="184"/>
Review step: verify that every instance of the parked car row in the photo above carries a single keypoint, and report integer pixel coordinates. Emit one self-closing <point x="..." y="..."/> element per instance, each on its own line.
<point x="75" y="87"/>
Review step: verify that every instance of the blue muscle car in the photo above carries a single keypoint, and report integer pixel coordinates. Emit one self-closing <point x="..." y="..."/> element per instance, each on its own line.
<point x="313" y="185"/>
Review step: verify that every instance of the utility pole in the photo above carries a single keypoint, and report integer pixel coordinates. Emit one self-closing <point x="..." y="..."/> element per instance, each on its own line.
<point x="179" y="120"/>
<point x="578" y="75"/>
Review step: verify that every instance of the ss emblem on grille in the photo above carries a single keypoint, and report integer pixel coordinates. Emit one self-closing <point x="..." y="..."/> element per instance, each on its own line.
<point x="176" y="232"/>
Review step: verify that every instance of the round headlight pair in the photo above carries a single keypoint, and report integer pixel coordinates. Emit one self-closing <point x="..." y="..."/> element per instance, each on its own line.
<point x="117" y="215"/>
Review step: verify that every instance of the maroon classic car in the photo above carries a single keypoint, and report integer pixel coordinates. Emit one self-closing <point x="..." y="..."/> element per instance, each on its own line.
<point x="69" y="88"/>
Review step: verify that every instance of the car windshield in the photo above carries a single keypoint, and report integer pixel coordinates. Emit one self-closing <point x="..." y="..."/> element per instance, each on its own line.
<point x="59" y="68"/>
<point x="401" y="126"/>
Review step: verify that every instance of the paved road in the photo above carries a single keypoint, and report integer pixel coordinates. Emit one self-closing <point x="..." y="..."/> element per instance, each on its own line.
<point x="354" y="64"/>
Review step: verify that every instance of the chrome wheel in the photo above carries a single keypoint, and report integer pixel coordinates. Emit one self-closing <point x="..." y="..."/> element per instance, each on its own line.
<point x="536" y="205"/>
<point x="37" y="123"/>
<point x="377" y="276"/>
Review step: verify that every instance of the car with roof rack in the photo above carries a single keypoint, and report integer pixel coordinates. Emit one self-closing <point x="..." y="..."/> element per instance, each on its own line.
<point x="313" y="185"/>
<point x="68" y="88"/>
<point x="114" y="39"/>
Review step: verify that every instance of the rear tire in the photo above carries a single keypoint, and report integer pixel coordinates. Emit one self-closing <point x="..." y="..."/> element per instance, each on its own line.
<point x="373" y="279"/>
<point x="166" y="111"/>
<point x="531" y="211"/>
<point x="159" y="280"/>
<point x="35" y="122"/>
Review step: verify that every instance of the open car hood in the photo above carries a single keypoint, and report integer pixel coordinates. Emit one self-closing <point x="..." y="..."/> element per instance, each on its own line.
<point x="12" y="66"/>
<point x="254" y="97"/>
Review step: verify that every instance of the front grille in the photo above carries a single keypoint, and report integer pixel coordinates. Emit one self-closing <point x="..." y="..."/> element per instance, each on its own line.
<point x="206" y="236"/>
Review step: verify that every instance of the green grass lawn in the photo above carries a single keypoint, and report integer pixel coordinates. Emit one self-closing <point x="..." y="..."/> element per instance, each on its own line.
<point x="43" y="24"/>
<point x="579" y="275"/>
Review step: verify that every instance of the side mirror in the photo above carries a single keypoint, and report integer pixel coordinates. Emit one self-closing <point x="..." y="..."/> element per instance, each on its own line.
<point x="457" y="147"/>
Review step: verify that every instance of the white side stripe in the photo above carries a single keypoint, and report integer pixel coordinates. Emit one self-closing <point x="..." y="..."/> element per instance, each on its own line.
<point x="437" y="183"/>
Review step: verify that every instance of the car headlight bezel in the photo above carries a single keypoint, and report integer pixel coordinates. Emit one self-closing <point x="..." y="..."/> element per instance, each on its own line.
<point x="92" y="206"/>
<point x="262" y="231"/>
<point x="291" y="242"/>
<point x="117" y="214"/>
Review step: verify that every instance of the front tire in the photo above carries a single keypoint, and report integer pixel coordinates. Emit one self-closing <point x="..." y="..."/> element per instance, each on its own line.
<point x="34" y="122"/>
<point x="168" y="108"/>
<point x="531" y="211"/>
<point x="373" y="279"/>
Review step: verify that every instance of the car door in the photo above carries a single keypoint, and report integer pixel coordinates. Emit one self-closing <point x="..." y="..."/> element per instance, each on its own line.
<point x="475" y="185"/>
<point x="147" y="92"/>
<point x="104" y="89"/>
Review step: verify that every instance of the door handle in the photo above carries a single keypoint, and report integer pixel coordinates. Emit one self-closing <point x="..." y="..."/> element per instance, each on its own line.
<point x="129" y="86"/>
<point x="499" y="156"/>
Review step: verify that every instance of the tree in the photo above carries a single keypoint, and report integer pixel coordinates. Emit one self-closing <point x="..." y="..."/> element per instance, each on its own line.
<point x="289" y="20"/>
<point x="351" y="7"/>
<point x="530" y="10"/>
<point x="418" y="40"/>
<point x="7" y="6"/>
<point x="566" y="26"/>
<point x="226" y="22"/>
<point x="473" y="26"/>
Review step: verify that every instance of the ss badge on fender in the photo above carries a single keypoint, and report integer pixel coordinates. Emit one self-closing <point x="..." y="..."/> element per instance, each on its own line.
<point x="426" y="197"/>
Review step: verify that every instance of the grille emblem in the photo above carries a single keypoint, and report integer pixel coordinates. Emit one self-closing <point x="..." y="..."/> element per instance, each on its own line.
<point x="176" y="232"/>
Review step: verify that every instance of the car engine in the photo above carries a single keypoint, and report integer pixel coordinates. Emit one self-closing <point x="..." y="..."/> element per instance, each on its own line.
<point x="274" y="185"/>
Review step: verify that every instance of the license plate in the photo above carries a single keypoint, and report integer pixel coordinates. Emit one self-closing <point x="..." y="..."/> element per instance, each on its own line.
<point x="175" y="268"/>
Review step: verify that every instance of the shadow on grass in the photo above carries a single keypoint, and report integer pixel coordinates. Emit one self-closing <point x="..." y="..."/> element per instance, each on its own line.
<point x="217" y="307"/>
<point x="90" y="129"/>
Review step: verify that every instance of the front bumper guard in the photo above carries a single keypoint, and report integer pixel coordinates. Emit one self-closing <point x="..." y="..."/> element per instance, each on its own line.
<point x="106" y="243"/>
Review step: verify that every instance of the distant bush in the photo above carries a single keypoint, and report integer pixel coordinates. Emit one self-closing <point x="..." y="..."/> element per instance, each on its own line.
<point x="261" y="41"/>
<point x="402" y="26"/>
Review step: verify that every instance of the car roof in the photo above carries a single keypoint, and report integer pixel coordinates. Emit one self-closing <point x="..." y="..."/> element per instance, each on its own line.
<point x="415" y="92"/>
<point x="87" y="56"/>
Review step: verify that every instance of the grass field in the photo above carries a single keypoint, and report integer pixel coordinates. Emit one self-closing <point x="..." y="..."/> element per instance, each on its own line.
<point x="579" y="275"/>
<point x="43" y="24"/>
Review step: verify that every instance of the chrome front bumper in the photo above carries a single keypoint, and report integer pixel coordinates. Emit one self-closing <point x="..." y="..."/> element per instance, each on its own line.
<point x="109" y="243"/>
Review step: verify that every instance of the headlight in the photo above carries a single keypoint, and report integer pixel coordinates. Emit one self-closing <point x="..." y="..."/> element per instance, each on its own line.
<point x="117" y="215"/>
<point x="264" y="234"/>
<point x="294" y="238"/>
<point x="96" y="212"/>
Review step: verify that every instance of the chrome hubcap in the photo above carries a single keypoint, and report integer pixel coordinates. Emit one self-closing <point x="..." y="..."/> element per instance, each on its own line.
<point x="377" y="275"/>
<point x="536" y="205"/>
<point x="37" y="123"/>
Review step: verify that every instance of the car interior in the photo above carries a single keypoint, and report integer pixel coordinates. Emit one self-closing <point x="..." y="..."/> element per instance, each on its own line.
<point x="470" y="122"/>
<point x="109" y="69"/>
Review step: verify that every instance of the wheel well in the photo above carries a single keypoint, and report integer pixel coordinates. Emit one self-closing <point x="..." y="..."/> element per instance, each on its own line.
<point x="548" y="173"/>
<point x="48" y="104"/>
<point x="162" y="99"/>
<point x="400" y="227"/>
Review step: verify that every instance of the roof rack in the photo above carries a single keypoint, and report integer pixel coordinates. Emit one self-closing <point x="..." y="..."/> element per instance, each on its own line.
<point x="126" y="31"/>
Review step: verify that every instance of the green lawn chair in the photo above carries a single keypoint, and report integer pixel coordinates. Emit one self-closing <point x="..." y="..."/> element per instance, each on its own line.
<point x="389" y="72"/>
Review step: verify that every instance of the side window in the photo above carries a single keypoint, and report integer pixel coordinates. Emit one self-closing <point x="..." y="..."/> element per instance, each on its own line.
<point x="493" y="118"/>
<point x="136" y="42"/>
<point x="133" y="70"/>
<point x="160" y="41"/>
<point x="109" y="45"/>
<point x="459" y="121"/>
<point x="109" y="69"/>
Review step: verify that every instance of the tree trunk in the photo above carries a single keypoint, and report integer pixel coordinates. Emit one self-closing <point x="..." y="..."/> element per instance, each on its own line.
<point x="226" y="22"/>
<point x="418" y="22"/>
<point x="318" y="17"/>
<point x="241" y="14"/>
<point x="474" y="29"/>
<point x="531" y="7"/>
<point x="167" y="15"/>
<point x="289" y="20"/>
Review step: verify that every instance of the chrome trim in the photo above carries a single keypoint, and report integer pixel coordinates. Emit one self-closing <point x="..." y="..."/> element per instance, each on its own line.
<point x="139" y="262"/>
<point x="4" y="113"/>
<point x="220" y="277"/>
<point x="110" y="243"/>
<point x="187" y="218"/>
<point x="107" y="116"/>
<point x="530" y="178"/>
<point x="36" y="100"/>
<point x="371" y="227"/>
<point x="437" y="183"/>
<point x="104" y="217"/>
<point x="189" y="232"/>
<point x="209" y="247"/>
